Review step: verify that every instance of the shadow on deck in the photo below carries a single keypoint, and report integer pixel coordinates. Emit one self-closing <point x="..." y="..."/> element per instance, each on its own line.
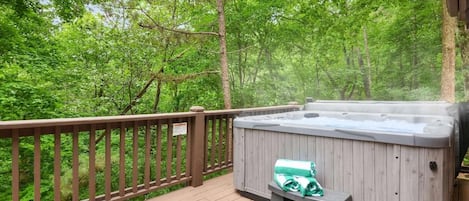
<point x="219" y="188"/>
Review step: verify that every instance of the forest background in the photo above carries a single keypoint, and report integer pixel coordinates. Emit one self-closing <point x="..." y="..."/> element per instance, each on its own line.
<point x="74" y="58"/>
<point x="70" y="59"/>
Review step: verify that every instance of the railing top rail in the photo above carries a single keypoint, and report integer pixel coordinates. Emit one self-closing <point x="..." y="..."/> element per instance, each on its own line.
<point x="4" y="125"/>
<point x="255" y="109"/>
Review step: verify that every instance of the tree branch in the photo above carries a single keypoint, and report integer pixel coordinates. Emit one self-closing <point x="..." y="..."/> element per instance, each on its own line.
<point x="139" y="95"/>
<point x="156" y="25"/>
<point x="177" y="56"/>
<point x="163" y="78"/>
<point x="234" y="51"/>
<point x="182" y="78"/>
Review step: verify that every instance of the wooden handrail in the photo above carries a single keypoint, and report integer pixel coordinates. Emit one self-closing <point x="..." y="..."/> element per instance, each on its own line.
<point x="206" y="146"/>
<point x="90" y="120"/>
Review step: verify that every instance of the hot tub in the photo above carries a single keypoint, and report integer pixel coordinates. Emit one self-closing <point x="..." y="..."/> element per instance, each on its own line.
<point x="372" y="150"/>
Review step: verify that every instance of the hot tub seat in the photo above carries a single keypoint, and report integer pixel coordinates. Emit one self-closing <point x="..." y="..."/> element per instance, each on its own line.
<point x="329" y="195"/>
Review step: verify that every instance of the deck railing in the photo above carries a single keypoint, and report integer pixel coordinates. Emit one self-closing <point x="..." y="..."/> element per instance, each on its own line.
<point x="125" y="156"/>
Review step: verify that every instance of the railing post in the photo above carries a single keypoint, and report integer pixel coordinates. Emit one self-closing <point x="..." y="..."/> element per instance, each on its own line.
<point x="197" y="156"/>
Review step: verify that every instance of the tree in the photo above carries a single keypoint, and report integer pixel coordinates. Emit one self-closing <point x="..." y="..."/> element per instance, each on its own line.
<point x="367" y="71"/>
<point x="221" y="34"/>
<point x="449" y="56"/>
<point x="223" y="57"/>
<point x="464" y="46"/>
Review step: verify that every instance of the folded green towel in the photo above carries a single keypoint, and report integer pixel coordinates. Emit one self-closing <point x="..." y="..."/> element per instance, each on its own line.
<point x="292" y="167"/>
<point x="309" y="186"/>
<point x="286" y="182"/>
<point x="306" y="186"/>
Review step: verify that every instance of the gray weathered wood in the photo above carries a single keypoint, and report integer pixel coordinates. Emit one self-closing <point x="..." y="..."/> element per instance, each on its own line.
<point x="303" y="147"/>
<point x="328" y="163"/>
<point x="421" y="173"/>
<point x="409" y="177"/>
<point x="358" y="174"/>
<point x="393" y="172"/>
<point x="369" y="187"/>
<point x="367" y="170"/>
<point x="238" y="158"/>
<point x="348" y="165"/>
<point x="432" y="186"/>
<point x="380" y="171"/>
<point x="311" y="148"/>
<point x="329" y="195"/>
<point x="338" y="165"/>
<point x="320" y="159"/>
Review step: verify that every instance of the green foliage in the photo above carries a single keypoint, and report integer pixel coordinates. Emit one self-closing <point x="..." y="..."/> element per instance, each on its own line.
<point x="68" y="10"/>
<point x="64" y="59"/>
<point x="22" y="99"/>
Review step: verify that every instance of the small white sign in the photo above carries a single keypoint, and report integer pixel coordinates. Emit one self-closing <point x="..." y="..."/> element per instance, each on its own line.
<point x="180" y="128"/>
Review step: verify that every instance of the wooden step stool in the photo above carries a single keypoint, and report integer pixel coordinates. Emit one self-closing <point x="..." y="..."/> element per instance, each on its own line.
<point x="329" y="195"/>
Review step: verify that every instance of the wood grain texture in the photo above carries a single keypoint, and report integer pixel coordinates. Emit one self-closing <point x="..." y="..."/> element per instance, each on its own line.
<point x="409" y="173"/>
<point x="220" y="188"/>
<point x="394" y="172"/>
<point x="239" y="159"/>
<point x="320" y="160"/>
<point x="380" y="169"/>
<point x="358" y="174"/>
<point x="338" y="167"/>
<point x="369" y="171"/>
<point x="328" y="163"/>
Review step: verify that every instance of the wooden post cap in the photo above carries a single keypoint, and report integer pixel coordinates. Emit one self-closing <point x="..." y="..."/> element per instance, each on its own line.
<point x="197" y="109"/>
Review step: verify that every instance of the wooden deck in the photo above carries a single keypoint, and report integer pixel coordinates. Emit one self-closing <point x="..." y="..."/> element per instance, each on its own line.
<point x="219" y="188"/>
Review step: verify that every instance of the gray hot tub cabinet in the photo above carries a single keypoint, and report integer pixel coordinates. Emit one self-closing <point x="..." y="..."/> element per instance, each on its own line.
<point x="369" y="164"/>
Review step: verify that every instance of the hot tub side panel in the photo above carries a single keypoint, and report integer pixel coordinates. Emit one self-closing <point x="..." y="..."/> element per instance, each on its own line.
<point x="370" y="171"/>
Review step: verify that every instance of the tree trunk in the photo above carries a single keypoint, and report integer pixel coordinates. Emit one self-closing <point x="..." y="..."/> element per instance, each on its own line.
<point x="240" y="68"/>
<point x="414" y="84"/>
<point x="368" y="65"/>
<point x="138" y="96"/>
<point x="223" y="57"/>
<point x="464" y="45"/>
<point x="318" y="86"/>
<point x="449" y="56"/>
<point x="157" y="97"/>
<point x="365" y="77"/>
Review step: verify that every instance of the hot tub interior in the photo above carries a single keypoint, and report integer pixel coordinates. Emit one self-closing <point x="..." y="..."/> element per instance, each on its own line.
<point x="415" y="130"/>
<point x="354" y="120"/>
<point x="360" y="147"/>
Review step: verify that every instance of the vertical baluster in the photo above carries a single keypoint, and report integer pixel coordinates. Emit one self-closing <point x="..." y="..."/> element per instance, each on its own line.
<point x="92" y="165"/>
<point x="169" y="154"/>
<point x="188" y="148"/>
<point x="75" y="165"/>
<point x="57" y="163"/>
<point x="122" y="160"/>
<point x="135" y="158"/>
<point x="147" y="155"/>
<point x="206" y="132"/>
<point x="158" y="153"/>
<point x="37" y="164"/>
<point x="230" y="133"/>
<point x="107" y="161"/>
<point x="220" y="141"/>
<point x="178" y="157"/>
<point x="15" y="172"/>
<point x="228" y="140"/>
<point x="213" y="146"/>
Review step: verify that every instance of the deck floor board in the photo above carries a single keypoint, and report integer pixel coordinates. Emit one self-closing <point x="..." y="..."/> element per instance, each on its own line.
<point x="220" y="188"/>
